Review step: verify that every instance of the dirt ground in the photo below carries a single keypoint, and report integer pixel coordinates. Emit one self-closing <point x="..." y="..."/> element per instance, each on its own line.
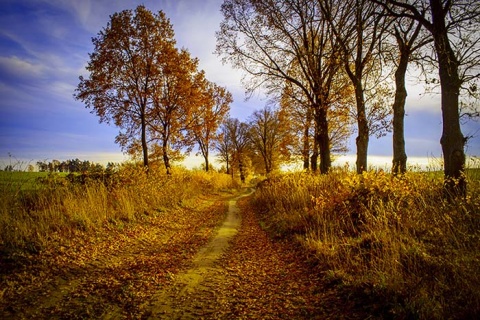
<point x="212" y="262"/>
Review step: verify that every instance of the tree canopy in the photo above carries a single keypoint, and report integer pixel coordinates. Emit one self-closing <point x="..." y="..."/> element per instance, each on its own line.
<point x="140" y="82"/>
<point x="325" y="65"/>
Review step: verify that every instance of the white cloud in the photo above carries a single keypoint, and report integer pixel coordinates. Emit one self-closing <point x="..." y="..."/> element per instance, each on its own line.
<point x="82" y="9"/>
<point x="21" y="67"/>
<point x="419" y="98"/>
<point x="423" y="146"/>
<point x="87" y="15"/>
<point x="62" y="89"/>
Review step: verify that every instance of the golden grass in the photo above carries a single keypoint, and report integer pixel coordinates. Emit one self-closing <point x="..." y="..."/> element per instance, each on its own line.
<point x="56" y="207"/>
<point x="394" y="238"/>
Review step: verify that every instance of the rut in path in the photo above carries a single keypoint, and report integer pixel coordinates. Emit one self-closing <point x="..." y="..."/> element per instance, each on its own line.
<point x="193" y="292"/>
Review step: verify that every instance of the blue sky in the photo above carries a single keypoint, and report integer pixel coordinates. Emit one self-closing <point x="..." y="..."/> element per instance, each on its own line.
<point x="44" y="46"/>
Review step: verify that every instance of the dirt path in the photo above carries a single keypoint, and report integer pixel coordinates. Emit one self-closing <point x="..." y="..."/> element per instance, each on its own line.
<point x="269" y="278"/>
<point x="192" y="294"/>
<point x="211" y="262"/>
<point x="243" y="274"/>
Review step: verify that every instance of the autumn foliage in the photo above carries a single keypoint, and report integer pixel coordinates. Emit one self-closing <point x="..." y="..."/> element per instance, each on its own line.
<point x="152" y="91"/>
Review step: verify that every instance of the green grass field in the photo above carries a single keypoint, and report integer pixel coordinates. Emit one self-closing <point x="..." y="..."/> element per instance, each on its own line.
<point x="15" y="181"/>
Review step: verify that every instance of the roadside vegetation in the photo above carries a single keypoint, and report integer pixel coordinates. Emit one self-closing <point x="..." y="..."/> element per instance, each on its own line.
<point x="393" y="239"/>
<point x="394" y="246"/>
<point x="37" y="209"/>
<point x="82" y="245"/>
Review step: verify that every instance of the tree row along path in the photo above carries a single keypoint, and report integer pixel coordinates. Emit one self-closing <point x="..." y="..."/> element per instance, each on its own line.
<point x="212" y="262"/>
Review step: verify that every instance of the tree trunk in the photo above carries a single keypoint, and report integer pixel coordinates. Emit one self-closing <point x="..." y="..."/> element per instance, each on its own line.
<point x="314" y="158"/>
<point x="306" y="140"/>
<point x="144" y="140"/>
<point x="268" y="166"/>
<point x="323" y="140"/>
<point x="241" y="169"/>
<point x="227" y="161"/>
<point x="166" y="159"/>
<point x="363" y="130"/>
<point x="399" y="154"/>
<point x="452" y="140"/>
<point x="207" y="166"/>
<point x="266" y="161"/>
<point x="205" y="151"/>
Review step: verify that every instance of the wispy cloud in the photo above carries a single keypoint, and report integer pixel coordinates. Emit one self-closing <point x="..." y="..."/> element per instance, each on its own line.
<point x="18" y="67"/>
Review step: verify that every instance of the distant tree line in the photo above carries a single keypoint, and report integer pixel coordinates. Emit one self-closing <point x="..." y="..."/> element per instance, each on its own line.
<point x="73" y="166"/>
<point x="10" y="168"/>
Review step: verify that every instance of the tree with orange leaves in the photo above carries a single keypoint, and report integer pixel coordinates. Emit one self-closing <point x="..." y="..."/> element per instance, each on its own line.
<point x="143" y="84"/>
<point x="208" y="117"/>
<point x="269" y="136"/>
<point x="124" y="69"/>
<point x="175" y="100"/>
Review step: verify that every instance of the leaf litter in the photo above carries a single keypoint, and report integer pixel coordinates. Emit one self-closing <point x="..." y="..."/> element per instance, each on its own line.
<point x="209" y="262"/>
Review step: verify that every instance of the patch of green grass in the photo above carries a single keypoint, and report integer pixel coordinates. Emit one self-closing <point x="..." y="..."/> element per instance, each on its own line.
<point x="473" y="174"/>
<point x="19" y="180"/>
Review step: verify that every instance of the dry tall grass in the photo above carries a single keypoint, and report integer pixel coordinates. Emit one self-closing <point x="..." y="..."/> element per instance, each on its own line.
<point x="30" y="218"/>
<point x="394" y="238"/>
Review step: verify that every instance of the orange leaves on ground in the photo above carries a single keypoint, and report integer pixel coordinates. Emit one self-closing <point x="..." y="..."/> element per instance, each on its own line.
<point x="266" y="279"/>
<point x="115" y="271"/>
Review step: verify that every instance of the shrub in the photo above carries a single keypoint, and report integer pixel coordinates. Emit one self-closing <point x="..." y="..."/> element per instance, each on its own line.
<point x="61" y="205"/>
<point x="393" y="237"/>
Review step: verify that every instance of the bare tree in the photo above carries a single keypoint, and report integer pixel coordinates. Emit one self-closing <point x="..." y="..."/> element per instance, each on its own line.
<point x="454" y="27"/>
<point x="409" y="39"/>
<point x="359" y="26"/>
<point x="224" y="146"/>
<point x="278" y="41"/>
